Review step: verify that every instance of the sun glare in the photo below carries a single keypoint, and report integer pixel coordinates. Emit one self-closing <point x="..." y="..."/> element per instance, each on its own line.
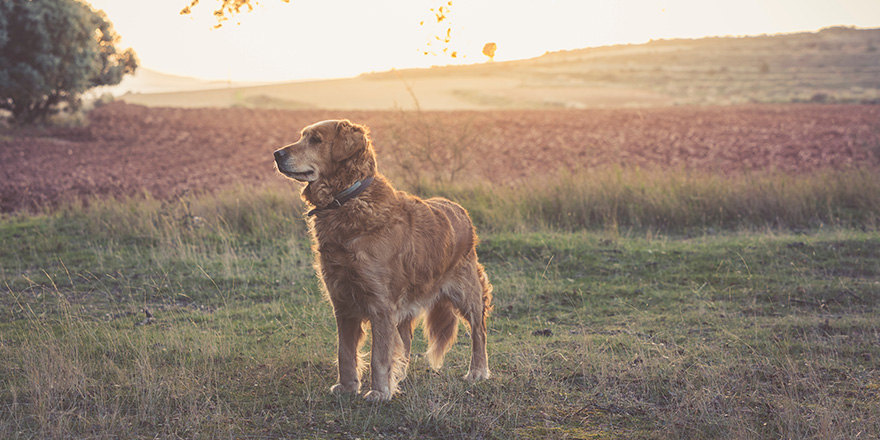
<point x="306" y="39"/>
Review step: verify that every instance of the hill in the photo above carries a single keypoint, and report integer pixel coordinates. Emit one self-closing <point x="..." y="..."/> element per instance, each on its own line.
<point x="149" y="81"/>
<point x="838" y="64"/>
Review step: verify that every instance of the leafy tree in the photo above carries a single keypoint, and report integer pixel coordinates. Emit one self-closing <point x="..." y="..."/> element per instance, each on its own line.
<point x="489" y="50"/>
<point x="51" y="51"/>
<point x="231" y="8"/>
<point x="227" y="7"/>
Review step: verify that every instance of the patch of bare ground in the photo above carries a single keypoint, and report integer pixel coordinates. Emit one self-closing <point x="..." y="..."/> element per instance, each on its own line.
<point x="128" y="149"/>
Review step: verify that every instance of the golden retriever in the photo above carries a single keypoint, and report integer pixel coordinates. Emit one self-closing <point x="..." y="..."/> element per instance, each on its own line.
<point x="386" y="258"/>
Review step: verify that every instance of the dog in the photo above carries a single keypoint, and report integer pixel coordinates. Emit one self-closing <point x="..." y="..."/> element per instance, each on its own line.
<point x="386" y="259"/>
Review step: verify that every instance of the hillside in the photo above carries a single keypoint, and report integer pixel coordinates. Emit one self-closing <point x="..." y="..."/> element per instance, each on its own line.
<point x="150" y="81"/>
<point x="833" y="65"/>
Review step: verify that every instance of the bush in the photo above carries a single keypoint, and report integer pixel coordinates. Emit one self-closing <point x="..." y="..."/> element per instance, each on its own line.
<point x="51" y="51"/>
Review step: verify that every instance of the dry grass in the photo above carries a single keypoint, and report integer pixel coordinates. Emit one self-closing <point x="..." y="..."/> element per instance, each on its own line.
<point x="615" y="199"/>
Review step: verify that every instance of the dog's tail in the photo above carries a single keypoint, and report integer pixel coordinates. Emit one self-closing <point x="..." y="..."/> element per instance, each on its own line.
<point x="487" y="291"/>
<point x="441" y="329"/>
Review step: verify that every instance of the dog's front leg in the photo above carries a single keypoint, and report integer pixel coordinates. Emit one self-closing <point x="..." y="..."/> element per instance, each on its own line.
<point x="351" y="335"/>
<point x="385" y="341"/>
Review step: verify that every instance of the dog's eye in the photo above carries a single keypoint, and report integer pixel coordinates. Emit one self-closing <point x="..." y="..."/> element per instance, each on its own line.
<point x="315" y="140"/>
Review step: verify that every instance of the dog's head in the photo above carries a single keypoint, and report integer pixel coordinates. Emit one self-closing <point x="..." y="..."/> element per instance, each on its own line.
<point x="322" y="148"/>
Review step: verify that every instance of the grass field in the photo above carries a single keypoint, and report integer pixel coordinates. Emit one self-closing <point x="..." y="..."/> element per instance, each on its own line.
<point x="623" y="309"/>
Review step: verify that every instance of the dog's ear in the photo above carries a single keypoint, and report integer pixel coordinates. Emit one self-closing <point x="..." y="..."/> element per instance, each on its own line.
<point x="350" y="138"/>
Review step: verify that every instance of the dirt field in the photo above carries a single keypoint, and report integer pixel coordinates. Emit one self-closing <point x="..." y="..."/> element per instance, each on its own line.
<point x="129" y="149"/>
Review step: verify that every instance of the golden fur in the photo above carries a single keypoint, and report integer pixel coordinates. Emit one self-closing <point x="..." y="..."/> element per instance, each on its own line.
<point x="387" y="258"/>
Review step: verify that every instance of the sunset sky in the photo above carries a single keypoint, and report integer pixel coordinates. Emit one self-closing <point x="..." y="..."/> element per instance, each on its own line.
<point x="307" y="39"/>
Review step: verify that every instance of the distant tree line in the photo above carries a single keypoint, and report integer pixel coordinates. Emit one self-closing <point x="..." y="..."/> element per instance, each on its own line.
<point x="51" y="51"/>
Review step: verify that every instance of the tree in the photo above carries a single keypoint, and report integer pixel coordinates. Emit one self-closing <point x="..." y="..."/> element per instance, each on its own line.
<point x="51" y="51"/>
<point x="441" y="14"/>
<point x="227" y="7"/>
<point x="489" y="50"/>
<point x="230" y="8"/>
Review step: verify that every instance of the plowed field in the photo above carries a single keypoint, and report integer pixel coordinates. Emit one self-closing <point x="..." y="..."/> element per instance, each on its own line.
<point x="128" y="149"/>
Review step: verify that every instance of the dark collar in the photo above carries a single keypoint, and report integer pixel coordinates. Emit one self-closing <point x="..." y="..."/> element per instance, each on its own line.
<point x="351" y="192"/>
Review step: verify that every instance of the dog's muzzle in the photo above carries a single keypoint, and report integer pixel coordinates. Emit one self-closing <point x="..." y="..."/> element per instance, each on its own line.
<point x="279" y="156"/>
<point x="307" y="174"/>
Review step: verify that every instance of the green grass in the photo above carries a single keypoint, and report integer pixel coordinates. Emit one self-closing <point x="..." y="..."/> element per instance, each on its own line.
<point x="604" y="327"/>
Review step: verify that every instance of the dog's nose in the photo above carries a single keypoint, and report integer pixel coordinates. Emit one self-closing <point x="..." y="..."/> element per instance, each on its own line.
<point x="279" y="155"/>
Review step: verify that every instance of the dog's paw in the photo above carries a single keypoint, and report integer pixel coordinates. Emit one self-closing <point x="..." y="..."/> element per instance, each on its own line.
<point x="345" y="388"/>
<point x="477" y="375"/>
<point x="377" y="396"/>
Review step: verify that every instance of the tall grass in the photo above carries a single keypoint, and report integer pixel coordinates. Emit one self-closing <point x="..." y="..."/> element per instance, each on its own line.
<point x="613" y="200"/>
<point x="195" y="228"/>
<point x="254" y="212"/>
<point x="664" y="201"/>
<point x="610" y="199"/>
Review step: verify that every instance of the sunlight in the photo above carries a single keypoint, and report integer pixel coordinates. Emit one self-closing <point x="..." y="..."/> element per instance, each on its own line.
<point x="306" y="39"/>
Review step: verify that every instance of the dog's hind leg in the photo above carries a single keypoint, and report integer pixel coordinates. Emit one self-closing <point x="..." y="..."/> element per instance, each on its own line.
<point x="402" y="354"/>
<point x="475" y="307"/>
<point x="405" y="329"/>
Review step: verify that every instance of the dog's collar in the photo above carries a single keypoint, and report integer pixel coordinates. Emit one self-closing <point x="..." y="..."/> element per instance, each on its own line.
<point x="349" y="193"/>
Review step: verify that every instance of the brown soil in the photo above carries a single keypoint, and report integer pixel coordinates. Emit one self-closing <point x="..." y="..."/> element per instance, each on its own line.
<point x="129" y="149"/>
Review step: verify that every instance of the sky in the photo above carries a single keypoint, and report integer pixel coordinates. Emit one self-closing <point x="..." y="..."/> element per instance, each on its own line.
<point x="311" y="39"/>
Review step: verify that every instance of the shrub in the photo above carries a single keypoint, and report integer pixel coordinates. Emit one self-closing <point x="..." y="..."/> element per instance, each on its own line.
<point x="51" y="51"/>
